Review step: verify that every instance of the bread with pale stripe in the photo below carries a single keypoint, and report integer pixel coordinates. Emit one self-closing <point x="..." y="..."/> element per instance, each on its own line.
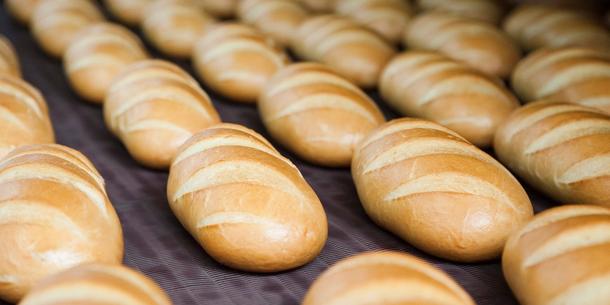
<point x="96" y="55"/>
<point x="130" y="12"/>
<point x="237" y="61"/>
<point x="385" y="278"/>
<point x="561" y="257"/>
<point x="572" y="74"/>
<point x="154" y="107"/>
<point x="431" y="187"/>
<point x="22" y="10"/>
<point x="9" y="63"/>
<point x="490" y="11"/>
<point x="97" y="283"/>
<point x="477" y="43"/>
<point x="318" y="6"/>
<point x="248" y="206"/>
<point x="55" y="214"/>
<point x="317" y="114"/>
<point x="219" y="8"/>
<point x="431" y="86"/>
<point x="562" y="149"/>
<point x="278" y="19"/>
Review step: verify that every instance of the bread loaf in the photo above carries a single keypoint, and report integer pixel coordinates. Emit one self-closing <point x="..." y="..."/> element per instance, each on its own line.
<point x="55" y="215"/>
<point x="56" y="23"/>
<point x="247" y="205"/>
<point x="318" y="6"/>
<point x="96" y="55"/>
<point x="347" y="47"/>
<point x="22" y="10"/>
<point x="9" y="63"/>
<point x="477" y="43"/>
<point x="484" y="10"/>
<point x="573" y="74"/>
<point x="562" y="149"/>
<point x="426" y="184"/>
<point x="317" y="114"/>
<point x="219" y="8"/>
<point x="561" y="257"/>
<point x="277" y="18"/>
<point x="431" y="86"/>
<point x="237" y="61"/>
<point x="97" y="284"/>
<point x="24" y="118"/>
<point x="154" y="107"/>
<point x="130" y="12"/>
<point x="385" y="278"/>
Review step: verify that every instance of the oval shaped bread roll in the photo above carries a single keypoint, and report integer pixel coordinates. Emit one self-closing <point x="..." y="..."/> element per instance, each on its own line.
<point x="561" y="257"/>
<point x="432" y="86"/>
<point x="279" y="19"/>
<point x="484" y="10"/>
<point x="219" y="8"/>
<point x="477" y="43"/>
<point x="247" y="205"/>
<point x="562" y="149"/>
<point x="9" y="63"/>
<point x="318" y="6"/>
<point x="22" y="10"/>
<point x="385" y="278"/>
<point x="24" y="117"/>
<point x="237" y="61"/>
<point x="97" y="284"/>
<point x="96" y="55"/>
<point x="128" y="11"/>
<point x="426" y="184"/>
<point x="57" y="22"/>
<point x="55" y="215"/>
<point x="347" y="47"/>
<point x="317" y="114"/>
<point x="573" y="74"/>
<point x="154" y="107"/>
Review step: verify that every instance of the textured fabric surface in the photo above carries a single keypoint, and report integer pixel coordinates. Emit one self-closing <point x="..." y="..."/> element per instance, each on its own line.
<point x="156" y="243"/>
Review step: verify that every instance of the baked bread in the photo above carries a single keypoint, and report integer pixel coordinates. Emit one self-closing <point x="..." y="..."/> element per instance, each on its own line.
<point x="130" y="12"/>
<point x="96" y="55"/>
<point x="9" y="63"/>
<point x="97" y="283"/>
<point x="317" y="114"/>
<point x="385" y="278"/>
<point x="237" y="61"/>
<point x="278" y="19"/>
<point x="55" y="215"/>
<point x="572" y="74"/>
<point x="154" y="107"/>
<point x="219" y="8"/>
<point x="349" y="48"/>
<point x="561" y="257"/>
<point x="477" y="43"/>
<point x="560" y="148"/>
<point x="426" y="184"/>
<point x="56" y="23"/>
<point x="429" y="85"/>
<point x="24" y="118"/>
<point x="490" y="11"/>
<point x="247" y="205"/>
<point x="318" y="6"/>
<point x="22" y="10"/>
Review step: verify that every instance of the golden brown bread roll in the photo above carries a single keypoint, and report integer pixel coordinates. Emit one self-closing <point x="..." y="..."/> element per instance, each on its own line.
<point x="277" y="18"/>
<point x="9" y="63"/>
<point x="154" y="107"/>
<point x="130" y="12"/>
<point x="477" y="43"/>
<point x="247" y="205"/>
<point x="55" y="215"/>
<point x="344" y="45"/>
<point x="318" y="6"/>
<point x="56" y="22"/>
<point x="573" y="74"/>
<point x="24" y="118"/>
<point x="22" y="10"/>
<point x="431" y="86"/>
<point x="96" y="55"/>
<point x="429" y="186"/>
<point x="562" y="149"/>
<point x="237" y="61"/>
<point x="385" y="278"/>
<point x="484" y="10"/>
<point x="97" y="283"/>
<point x="561" y="257"/>
<point x="317" y="114"/>
<point x="219" y="8"/>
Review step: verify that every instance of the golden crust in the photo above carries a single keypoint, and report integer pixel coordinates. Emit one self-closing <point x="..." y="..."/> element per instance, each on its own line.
<point x="490" y="11"/>
<point x="128" y="11"/>
<point x="9" y="63"/>
<point x="219" y="8"/>
<point x="22" y="10"/>
<point x="279" y="19"/>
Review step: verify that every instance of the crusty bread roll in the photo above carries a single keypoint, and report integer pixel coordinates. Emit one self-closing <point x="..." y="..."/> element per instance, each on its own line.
<point x="561" y="257"/>
<point x="24" y="118"/>
<point x="219" y="8"/>
<point x="247" y="205"/>
<point x="22" y="10"/>
<point x="317" y="114"/>
<point x="385" y="278"/>
<point x="318" y="6"/>
<point x="96" y="55"/>
<point x="154" y="107"/>
<point x="477" y="43"/>
<point x="572" y="74"/>
<point x="438" y="192"/>
<point x="56" y="22"/>
<point x="344" y="45"/>
<point x="97" y="283"/>
<point x="130" y="12"/>
<point x="55" y="215"/>
<point x="429" y="85"/>
<point x="277" y="18"/>
<point x="562" y="149"/>
<point x="9" y="63"/>
<point x="484" y="10"/>
<point x="237" y="61"/>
